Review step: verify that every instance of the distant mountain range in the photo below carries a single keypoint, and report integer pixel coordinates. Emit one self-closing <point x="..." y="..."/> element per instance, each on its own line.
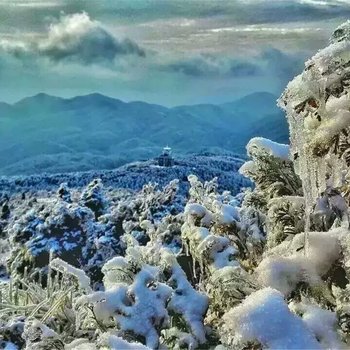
<point x="50" y="134"/>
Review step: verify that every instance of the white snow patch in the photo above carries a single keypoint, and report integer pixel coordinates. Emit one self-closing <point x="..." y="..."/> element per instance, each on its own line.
<point x="117" y="343"/>
<point x="265" y="317"/>
<point x="321" y="322"/>
<point x="62" y="266"/>
<point x="275" y="149"/>
<point x="286" y="265"/>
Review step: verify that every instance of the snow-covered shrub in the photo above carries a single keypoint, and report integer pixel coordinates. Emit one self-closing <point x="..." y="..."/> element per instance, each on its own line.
<point x="222" y="245"/>
<point x="226" y="288"/>
<point x="38" y="336"/>
<point x="271" y="171"/>
<point x="139" y="308"/>
<point x="64" y="192"/>
<point x="140" y="298"/>
<point x="67" y="229"/>
<point x="85" y="228"/>
<point x="253" y="229"/>
<point x="288" y="269"/>
<point x="93" y="197"/>
<point x="210" y="232"/>
<point x="285" y="218"/>
<point x="273" y="205"/>
<point x="25" y="302"/>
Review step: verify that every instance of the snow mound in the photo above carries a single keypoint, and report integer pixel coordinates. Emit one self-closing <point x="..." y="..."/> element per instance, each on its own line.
<point x="287" y="265"/>
<point x="264" y="317"/>
<point x="274" y="149"/>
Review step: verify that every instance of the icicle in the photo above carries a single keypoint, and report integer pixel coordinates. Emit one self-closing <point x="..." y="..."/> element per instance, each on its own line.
<point x="49" y="277"/>
<point x="40" y="277"/>
<point x="194" y="267"/>
<point x="10" y="290"/>
<point x="308" y="209"/>
<point x="25" y="273"/>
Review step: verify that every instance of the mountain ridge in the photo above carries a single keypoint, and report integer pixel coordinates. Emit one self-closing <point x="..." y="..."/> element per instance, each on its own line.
<point x="45" y="133"/>
<point x="97" y="95"/>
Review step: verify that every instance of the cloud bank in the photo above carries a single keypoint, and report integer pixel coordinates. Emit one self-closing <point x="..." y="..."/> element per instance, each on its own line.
<point x="212" y="66"/>
<point x="76" y="38"/>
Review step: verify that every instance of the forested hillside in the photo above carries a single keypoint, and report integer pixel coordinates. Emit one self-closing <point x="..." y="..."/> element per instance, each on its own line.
<point x="50" y="134"/>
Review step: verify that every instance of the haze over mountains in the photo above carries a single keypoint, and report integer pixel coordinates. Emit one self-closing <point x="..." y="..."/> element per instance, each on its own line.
<point x="50" y="134"/>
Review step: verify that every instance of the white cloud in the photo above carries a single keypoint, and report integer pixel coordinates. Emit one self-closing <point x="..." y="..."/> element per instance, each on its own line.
<point x="324" y="2"/>
<point x="30" y="3"/>
<point x="258" y="28"/>
<point x="74" y="37"/>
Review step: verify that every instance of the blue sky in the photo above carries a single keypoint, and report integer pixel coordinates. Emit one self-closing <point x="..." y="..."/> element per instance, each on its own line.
<point x="165" y="52"/>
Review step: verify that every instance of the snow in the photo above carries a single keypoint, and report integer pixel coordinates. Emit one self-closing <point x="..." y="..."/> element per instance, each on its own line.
<point x="272" y="148"/>
<point x="337" y="109"/>
<point x="62" y="266"/>
<point x="118" y="343"/>
<point x="111" y="269"/>
<point x="80" y="344"/>
<point x="196" y="209"/>
<point x="107" y="303"/>
<point x="46" y="332"/>
<point x="149" y="308"/>
<point x="286" y="265"/>
<point x="139" y="308"/>
<point x="341" y="33"/>
<point x="220" y="251"/>
<point x="227" y="213"/>
<point x="285" y="273"/>
<point x="249" y="167"/>
<point x="265" y="317"/>
<point x="321" y="322"/>
<point x="189" y="303"/>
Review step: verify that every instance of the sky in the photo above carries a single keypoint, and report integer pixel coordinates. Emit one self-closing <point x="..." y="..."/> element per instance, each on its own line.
<point x="167" y="52"/>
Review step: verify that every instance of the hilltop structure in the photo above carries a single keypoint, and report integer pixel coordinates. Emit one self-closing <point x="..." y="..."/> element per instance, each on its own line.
<point x="165" y="159"/>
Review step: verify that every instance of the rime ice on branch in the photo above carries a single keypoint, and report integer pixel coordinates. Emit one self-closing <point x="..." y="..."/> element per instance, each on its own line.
<point x="318" y="111"/>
